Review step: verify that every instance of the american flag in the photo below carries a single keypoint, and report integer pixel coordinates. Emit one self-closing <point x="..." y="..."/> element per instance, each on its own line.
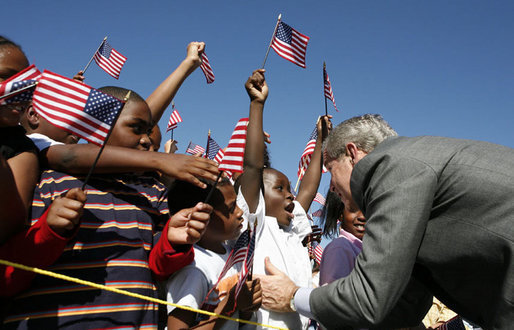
<point x="194" y="149"/>
<point x="305" y="159"/>
<point x="236" y="256"/>
<point x="234" y="154"/>
<point x="290" y="44"/>
<point x="248" y="263"/>
<point x="320" y="198"/>
<point x="174" y="120"/>
<point x="22" y="79"/>
<point x="109" y="59"/>
<point x="328" y="87"/>
<point x="76" y="107"/>
<point x="212" y="148"/>
<point x="207" y="70"/>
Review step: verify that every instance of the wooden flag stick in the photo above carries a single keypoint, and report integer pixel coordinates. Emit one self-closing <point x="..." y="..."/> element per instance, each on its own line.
<point x="298" y="181"/>
<point x="6" y="96"/>
<point x="209" y="195"/>
<point x="87" y="65"/>
<point x="324" y="96"/>
<point x="271" y="41"/>
<point x="105" y="142"/>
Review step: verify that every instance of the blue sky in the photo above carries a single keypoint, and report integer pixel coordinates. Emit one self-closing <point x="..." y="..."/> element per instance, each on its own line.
<point x="429" y="67"/>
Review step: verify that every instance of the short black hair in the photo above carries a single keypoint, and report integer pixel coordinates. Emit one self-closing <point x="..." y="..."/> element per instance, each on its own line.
<point x="183" y="195"/>
<point x="8" y="42"/>
<point x="120" y="93"/>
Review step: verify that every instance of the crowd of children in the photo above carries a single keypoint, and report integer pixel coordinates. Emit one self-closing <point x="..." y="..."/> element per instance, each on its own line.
<point x="141" y="222"/>
<point x="159" y="224"/>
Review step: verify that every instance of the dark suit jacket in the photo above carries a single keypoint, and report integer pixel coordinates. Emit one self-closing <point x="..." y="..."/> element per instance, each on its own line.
<point x="439" y="212"/>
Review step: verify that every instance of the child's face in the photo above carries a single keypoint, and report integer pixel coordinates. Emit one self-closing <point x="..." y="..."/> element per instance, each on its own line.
<point x="12" y="61"/>
<point x="353" y="222"/>
<point x="278" y="197"/>
<point x="226" y="218"/>
<point x="131" y="129"/>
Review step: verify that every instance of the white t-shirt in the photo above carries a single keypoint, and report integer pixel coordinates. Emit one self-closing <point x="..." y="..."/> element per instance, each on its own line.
<point x="190" y="285"/>
<point x="42" y="141"/>
<point x="283" y="245"/>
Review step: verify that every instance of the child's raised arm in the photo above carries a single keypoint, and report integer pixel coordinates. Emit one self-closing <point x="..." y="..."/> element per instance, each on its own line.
<point x="251" y="179"/>
<point x="310" y="182"/>
<point x="161" y="97"/>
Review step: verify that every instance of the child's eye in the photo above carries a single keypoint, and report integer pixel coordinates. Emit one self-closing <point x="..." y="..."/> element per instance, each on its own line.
<point x="280" y="188"/>
<point x="138" y="129"/>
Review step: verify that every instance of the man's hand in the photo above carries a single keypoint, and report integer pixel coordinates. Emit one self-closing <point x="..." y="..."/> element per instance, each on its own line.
<point x="65" y="211"/>
<point x="256" y="87"/>
<point x="277" y="288"/>
<point x="188" y="225"/>
<point x="188" y="168"/>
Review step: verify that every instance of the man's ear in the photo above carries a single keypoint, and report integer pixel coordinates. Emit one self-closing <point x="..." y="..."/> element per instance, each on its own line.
<point x="352" y="151"/>
<point x="32" y="117"/>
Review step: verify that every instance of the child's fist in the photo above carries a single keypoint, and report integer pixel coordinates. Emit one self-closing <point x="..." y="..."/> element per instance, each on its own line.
<point x="194" y="52"/>
<point x="256" y="86"/>
<point x="250" y="296"/>
<point x="65" y="211"/>
<point x="188" y="225"/>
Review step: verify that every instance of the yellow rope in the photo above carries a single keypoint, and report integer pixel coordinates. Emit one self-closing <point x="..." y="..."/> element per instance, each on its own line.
<point x="131" y="294"/>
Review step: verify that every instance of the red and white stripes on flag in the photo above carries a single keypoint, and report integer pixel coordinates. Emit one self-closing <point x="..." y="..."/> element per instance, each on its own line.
<point x="329" y="94"/>
<point x="219" y="156"/>
<point x="207" y="69"/>
<point x="318" y="253"/>
<point x="23" y="79"/>
<point x="248" y="262"/>
<point x="305" y="158"/>
<point x="76" y="107"/>
<point x="235" y="151"/>
<point x="320" y="199"/>
<point x="110" y="60"/>
<point x="194" y="149"/>
<point x="290" y="44"/>
<point x="174" y="120"/>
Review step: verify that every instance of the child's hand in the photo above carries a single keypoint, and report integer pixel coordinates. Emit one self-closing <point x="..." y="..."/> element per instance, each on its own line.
<point x="250" y="296"/>
<point x="188" y="225"/>
<point x="170" y="147"/>
<point x="256" y="86"/>
<point x="194" y="52"/>
<point x="79" y="76"/>
<point x="188" y="168"/>
<point x="65" y="211"/>
<point x="324" y="126"/>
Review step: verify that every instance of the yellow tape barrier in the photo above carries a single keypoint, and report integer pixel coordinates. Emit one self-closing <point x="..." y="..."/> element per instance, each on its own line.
<point x="135" y="295"/>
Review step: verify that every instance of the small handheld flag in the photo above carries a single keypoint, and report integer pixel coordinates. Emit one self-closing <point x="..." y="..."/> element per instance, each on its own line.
<point x="76" y="107"/>
<point x="234" y="154"/>
<point x="174" y="120"/>
<point x="207" y="69"/>
<point x="20" y="87"/>
<point x="194" y="149"/>
<point x="290" y="44"/>
<point x="327" y="87"/>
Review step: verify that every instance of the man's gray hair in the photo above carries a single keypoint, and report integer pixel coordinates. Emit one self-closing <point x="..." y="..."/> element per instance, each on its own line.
<point x="366" y="131"/>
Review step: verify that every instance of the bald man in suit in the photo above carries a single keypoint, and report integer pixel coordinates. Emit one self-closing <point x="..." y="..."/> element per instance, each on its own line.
<point x="440" y="221"/>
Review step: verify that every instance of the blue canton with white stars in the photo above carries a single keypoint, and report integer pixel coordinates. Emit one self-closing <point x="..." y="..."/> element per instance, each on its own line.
<point x="105" y="50"/>
<point x="102" y="106"/>
<point x="23" y="96"/>
<point x="284" y="32"/>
